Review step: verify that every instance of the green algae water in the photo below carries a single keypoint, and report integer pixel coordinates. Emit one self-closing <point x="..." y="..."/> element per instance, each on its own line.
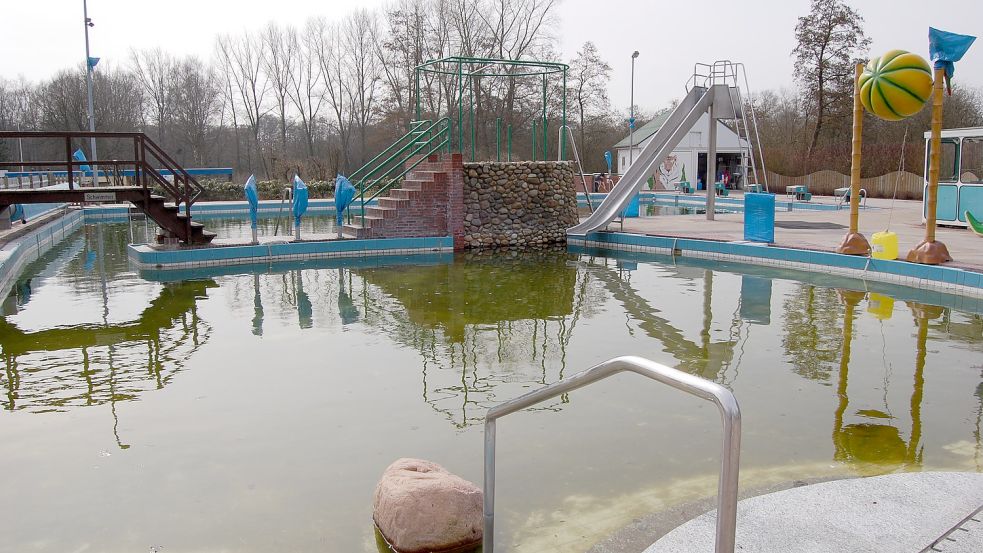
<point x="254" y="408"/>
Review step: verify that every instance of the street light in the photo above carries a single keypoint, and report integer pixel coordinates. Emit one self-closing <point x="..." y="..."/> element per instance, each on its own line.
<point x="90" y="64"/>
<point x="631" y="113"/>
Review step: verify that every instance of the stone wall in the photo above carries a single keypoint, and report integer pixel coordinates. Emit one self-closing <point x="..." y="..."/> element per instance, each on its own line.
<point x="519" y="203"/>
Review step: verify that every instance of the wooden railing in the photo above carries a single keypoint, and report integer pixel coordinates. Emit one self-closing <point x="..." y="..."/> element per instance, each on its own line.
<point x="146" y="163"/>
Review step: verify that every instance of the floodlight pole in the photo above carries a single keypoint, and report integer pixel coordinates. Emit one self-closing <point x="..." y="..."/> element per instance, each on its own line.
<point x="88" y="81"/>
<point x="631" y="113"/>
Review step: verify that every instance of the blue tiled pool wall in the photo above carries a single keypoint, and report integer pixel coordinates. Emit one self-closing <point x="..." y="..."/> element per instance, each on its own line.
<point x="18" y="253"/>
<point x="729" y="204"/>
<point x="369" y="261"/>
<point x="950" y="280"/>
<point x="146" y="257"/>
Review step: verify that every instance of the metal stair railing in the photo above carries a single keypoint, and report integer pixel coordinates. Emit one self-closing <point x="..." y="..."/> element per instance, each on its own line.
<point x="423" y="139"/>
<point x="730" y="416"/>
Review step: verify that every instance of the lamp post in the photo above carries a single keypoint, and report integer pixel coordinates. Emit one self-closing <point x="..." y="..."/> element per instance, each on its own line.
<point x="89" y="66"/>
<point x="631" y="113"/>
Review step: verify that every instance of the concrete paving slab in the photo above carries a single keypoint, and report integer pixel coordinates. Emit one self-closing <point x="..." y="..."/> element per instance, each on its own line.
<point x="822" y="230"/>
<point x="898" y="513"/>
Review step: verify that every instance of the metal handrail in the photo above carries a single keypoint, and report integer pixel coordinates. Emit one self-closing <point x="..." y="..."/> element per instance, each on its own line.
<point x="730" y="416"/>
<point x="416" y="129"/>
<point x="576" y="156"/>
<point x="432" y="144"/>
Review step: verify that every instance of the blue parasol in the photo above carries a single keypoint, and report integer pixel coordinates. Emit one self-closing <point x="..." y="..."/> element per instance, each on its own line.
<point x="607" y="158"/>
<point x="17" y="213"/>
<point x="300" y="202"/>
<point x="252" y="196"/>
<point x="344" y="194"/>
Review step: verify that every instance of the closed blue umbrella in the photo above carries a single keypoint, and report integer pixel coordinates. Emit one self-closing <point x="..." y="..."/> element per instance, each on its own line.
<point x="607" y="158"/>
<point x="344" y="194"/>
<point x="300" y="203"/>
<point x="252" y="196"/>
<point x="17" y="213"/>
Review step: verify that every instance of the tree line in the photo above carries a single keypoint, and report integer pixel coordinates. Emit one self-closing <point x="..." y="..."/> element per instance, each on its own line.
<point x="325" y="96"/>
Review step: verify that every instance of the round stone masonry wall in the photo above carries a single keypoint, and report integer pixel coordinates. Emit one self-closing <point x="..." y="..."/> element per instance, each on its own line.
<point x="518" y="203"/>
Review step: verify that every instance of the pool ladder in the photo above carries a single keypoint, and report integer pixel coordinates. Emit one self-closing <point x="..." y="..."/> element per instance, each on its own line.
<point x="730" y="416"/>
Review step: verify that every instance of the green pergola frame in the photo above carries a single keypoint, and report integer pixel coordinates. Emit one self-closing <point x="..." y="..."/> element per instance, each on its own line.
<point x="493" y="67"/>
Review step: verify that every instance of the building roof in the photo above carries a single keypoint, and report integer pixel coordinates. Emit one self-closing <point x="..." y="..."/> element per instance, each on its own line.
<point x="648" y="129"/>
<point x="645" y="131"/>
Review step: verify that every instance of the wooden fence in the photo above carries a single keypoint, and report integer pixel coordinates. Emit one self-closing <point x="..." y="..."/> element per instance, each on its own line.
<point x="825" y="182"/>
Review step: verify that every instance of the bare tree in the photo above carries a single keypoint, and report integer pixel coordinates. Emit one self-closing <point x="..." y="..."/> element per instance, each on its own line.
<point x="277" y="54"/>
<point x="196" y="105"/>
<point x="330" y="56"/>
<point x="589" y="75"/>
<point x="243" y="62"/>
<point x="361" y="71"/>
<point x="154" y="70"/>
<point x="306" y="76"/>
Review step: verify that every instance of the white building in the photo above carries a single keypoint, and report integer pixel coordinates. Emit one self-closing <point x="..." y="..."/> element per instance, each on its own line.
<point x="690" y="156"/>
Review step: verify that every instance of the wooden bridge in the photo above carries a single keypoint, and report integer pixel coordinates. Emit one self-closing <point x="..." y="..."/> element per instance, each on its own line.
<point x="107" y="183"/>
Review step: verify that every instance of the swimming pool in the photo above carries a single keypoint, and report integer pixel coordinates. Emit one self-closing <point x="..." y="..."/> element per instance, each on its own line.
<point x="255" y="410"/>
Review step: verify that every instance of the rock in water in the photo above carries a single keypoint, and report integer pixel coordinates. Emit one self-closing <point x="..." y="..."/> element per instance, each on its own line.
<point x="420" y="507"/>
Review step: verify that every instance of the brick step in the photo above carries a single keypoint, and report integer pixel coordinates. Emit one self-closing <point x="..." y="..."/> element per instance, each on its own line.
<point x="404" y="194"/>
<point x="381" y="212"/>
<point x="355" y="231"/>
<point x="394" y="203"/>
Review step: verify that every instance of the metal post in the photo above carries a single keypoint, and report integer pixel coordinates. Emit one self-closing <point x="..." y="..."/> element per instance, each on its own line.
<point x="563" y="120"/>
<point x="471" y="111"/>
<point x="498" y="139"/>
<point x="508" y="152"/>
<point x="460" y="109"/>
<point x="418" y="114"/>
<point x="88" y="78"/>
<point x="545" y="143"/>
<point x="631" y="113"/>
<point x="711" y="162"/>
<point x="534" y="140"/>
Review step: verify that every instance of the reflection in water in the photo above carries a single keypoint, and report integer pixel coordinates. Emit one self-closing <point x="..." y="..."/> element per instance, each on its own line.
<point x="463" y="333"/>
<point x="513" y="310"/>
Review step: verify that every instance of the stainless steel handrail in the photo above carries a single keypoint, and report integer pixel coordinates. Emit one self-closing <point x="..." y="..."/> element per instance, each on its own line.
<point x="730" y="416"/>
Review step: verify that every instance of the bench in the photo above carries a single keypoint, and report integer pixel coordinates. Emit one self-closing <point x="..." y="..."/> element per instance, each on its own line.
<point x="754" y="188"/>
<point x="721" y="189"/>
<point x="798" y="192"/>
<point x="843" y="196"/>
<point x="685" y="187"/>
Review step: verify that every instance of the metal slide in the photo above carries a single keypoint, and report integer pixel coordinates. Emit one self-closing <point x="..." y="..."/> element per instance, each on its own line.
<point x="679" y="123"/>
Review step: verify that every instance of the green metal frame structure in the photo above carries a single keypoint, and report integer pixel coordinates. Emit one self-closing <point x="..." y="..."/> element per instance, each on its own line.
<point x="464" y="68"/>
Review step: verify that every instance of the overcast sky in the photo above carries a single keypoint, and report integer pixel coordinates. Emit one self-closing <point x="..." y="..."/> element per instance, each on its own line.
<point x="43" y="36"/>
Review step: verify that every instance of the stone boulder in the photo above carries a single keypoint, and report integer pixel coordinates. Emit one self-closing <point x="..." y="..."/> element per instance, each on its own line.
<point x="420" y="507"/>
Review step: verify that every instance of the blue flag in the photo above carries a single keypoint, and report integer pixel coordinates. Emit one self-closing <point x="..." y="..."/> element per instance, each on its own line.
<point x="92" y="62"/>
<point x="945" y="48"/>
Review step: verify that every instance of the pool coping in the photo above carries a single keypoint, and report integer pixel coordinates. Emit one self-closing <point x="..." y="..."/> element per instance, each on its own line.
<point x="950" y="280"/>
<point x="31" y="245"/>
<point x="144" y="256"/>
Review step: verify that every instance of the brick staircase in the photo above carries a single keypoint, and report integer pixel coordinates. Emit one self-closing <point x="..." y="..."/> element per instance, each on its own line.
<point x="429" y="203"/>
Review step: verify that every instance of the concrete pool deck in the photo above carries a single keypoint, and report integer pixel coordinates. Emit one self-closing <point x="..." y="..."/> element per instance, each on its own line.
<point x="821" y="230"/>
<point x="908" y="512"/>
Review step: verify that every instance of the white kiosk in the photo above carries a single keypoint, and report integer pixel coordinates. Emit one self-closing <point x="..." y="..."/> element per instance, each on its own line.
<point x="960" y="176"/>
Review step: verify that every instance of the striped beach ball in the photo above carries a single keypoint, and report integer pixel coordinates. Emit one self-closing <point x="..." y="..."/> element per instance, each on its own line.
<point x="895" y="85"/>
